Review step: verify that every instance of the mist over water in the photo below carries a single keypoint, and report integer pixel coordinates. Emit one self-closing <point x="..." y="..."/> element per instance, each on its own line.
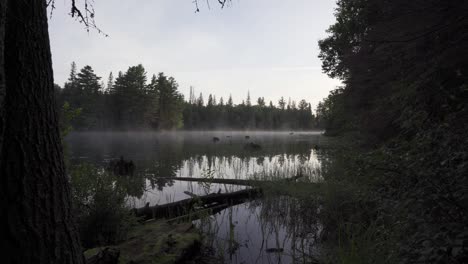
<point x="267" y="230"/>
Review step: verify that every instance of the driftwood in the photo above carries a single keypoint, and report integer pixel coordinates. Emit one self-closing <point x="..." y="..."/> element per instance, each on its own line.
<point x="213" y="203"/>
<point x="186" y="206"/>
<point x="200" y="213"/>
<point x="231" y="181"/>
<point x="191" y="194"/>
<point x="222" y="181"/>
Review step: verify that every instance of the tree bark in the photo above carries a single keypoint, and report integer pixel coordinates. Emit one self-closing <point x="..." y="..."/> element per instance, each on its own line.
<point x="3" y="6"/>
<point x="35" y="195"/>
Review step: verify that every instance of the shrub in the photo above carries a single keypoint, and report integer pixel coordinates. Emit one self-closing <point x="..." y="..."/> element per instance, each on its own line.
<point x="99" y="206"/>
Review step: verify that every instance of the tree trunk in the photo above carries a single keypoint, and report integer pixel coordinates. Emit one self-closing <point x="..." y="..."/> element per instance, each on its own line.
<point x="3" y="5"/>
<point x="35" y="195"/>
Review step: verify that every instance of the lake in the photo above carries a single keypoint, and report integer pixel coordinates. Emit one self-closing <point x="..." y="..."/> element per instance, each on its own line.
<point x="272" y="229"/>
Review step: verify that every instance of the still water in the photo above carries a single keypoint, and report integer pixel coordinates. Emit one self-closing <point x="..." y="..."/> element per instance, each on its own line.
<point x="267" y="230"/>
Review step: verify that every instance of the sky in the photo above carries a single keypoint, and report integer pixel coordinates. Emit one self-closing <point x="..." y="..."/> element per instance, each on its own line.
<point x="265" y="47"/>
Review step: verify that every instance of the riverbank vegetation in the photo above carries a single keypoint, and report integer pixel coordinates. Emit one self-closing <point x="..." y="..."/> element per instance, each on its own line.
<point x="403" y="106"/>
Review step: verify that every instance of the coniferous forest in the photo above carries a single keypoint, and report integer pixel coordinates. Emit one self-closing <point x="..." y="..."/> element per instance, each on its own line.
<point x="131" y="100"/>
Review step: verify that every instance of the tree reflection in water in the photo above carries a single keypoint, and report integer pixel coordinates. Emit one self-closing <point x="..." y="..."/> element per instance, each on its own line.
<point x="269" y="230"/>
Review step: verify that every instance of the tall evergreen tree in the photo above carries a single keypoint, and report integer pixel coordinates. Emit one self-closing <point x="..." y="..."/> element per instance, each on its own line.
<point x="87" y="81"/>
<point x="248" y="101"/>
<point x="170" y="103"/>
<point x="282" y="103"/>
<point x="261" y="101"/>
<point x="110" y="82"/>
<point x="200" y="101"/>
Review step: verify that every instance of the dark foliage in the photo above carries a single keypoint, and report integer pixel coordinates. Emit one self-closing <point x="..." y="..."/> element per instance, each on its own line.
<point x="131" y="103"/>
<point x="223" y="115"/>
<point x="404" y="101"/>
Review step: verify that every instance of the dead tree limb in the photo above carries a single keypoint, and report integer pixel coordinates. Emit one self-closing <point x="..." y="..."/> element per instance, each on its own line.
<point x="186" y="206"/>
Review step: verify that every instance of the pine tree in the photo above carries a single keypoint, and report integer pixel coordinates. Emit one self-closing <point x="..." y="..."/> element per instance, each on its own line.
<point x="88" y="81"/>
<point x="110" y="82"/>
<point x="210" y="101"/>
<point x="71" y="92"/>
<point x="281" y="103"/>
<point x="261" y="101"/>
<point x="170" y="103"/>
<point x="200" y="101"/>
<point x="72" y="77"/>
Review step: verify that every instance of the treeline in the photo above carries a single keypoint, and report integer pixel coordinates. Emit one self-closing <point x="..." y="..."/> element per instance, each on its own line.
<point x="219" y="115"/>
<point x="130" y="101"/>
<point x="127" y="102"/>
<point x="404" y="106"/>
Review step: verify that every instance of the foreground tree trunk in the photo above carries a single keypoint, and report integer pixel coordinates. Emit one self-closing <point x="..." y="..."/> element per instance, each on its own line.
<point x="2" y="66"/>
<point x="35" y="196"/>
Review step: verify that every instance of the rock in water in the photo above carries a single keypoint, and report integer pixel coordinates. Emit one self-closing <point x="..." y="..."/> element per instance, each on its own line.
<point x="252" y="146"/>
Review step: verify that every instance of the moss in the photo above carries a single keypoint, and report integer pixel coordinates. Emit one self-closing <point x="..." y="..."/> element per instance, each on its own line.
<point x="93" y="251"/>
<point x="160" y="242"/>
<point x="157" y="242"/>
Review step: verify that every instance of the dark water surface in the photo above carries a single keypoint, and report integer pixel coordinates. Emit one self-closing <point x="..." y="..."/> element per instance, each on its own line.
<point x="267" y="230"/>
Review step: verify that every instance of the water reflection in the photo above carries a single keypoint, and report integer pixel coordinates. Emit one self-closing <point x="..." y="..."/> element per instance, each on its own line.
<point x="268" y="230"/>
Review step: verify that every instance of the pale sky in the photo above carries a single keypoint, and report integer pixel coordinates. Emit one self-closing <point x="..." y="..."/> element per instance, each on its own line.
<point x="267" y="47"/>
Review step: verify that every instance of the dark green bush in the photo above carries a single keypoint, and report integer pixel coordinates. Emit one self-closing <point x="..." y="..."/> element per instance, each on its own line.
<point x="99" y="206"/>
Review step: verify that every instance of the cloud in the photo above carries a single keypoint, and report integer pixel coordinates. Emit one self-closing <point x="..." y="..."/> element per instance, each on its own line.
<point x="266" y="47"/>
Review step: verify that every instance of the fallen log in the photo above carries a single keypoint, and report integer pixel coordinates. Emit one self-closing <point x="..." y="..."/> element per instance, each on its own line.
<point x="191" y="194"/>
<point x="232" y="181"/>
<point x="213" y="180"/>
<point x="186" y="206"/>
<point x="199" y="214"/>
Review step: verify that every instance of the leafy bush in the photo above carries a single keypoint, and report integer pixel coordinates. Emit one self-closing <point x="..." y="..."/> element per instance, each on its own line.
<point x="99" y="206"/>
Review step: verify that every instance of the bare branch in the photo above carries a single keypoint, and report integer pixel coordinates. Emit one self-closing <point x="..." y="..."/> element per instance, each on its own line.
<point x="196" y="6"/>
<point x="221" y="2"/>
<point x="88" y="17"/>
<point x="51" y="3"/>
